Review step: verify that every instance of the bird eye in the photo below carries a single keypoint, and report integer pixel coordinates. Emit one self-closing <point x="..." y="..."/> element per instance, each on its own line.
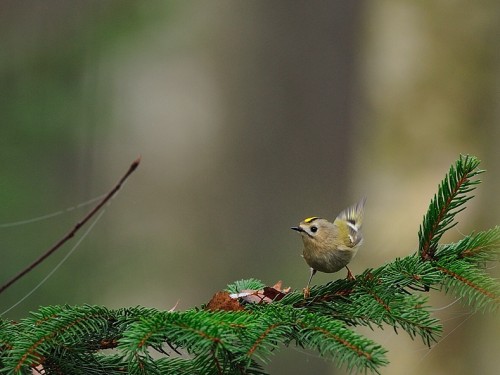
<point x="314" y="229"/>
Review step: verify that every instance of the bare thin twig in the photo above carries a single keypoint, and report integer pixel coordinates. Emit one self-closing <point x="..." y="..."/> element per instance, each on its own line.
<point x="77" y="226"/>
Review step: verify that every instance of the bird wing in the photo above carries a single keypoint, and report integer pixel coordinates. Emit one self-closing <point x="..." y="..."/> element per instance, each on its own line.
<point x="350" y="220"/>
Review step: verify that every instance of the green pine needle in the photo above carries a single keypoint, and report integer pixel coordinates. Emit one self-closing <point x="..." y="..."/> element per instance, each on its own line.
<point x="448" y="202"/>
<point x="248" y="284"/>
<point x="468" y="282"/>
<point x="475" y="248"/>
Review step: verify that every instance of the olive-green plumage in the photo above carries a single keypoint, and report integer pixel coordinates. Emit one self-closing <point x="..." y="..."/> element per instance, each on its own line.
<point x="329" y="247"/>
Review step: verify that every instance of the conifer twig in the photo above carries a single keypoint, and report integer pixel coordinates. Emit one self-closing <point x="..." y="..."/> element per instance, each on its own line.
<point x="75" y="229"/>
<point x="447" y="203"/>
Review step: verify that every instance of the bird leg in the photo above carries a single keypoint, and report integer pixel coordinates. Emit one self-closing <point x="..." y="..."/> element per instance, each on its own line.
<point x="350" y="276"/>
<point x="306" y="289"/>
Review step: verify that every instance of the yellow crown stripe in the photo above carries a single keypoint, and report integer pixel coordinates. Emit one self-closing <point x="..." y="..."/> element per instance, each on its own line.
<point x="309" y="219"/>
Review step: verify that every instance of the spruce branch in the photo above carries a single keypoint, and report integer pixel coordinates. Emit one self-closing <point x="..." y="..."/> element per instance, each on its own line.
<point x="476" y="248"/>
<point x="448" y="202"/>
<point x="241" y="327"/>
<point x="466" y="281"/>
<point x="376" y="297"/>
<point x="333" y="339"/>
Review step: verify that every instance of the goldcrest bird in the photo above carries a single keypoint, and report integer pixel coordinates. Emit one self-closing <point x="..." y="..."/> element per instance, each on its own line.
<point x="329" y="247"/>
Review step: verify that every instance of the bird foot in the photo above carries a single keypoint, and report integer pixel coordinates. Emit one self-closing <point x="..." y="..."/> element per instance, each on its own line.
<point x="307" y="293"/>
<point x="350" y="276"/>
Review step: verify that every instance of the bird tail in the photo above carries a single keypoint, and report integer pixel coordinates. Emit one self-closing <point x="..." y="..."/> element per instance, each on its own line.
<point x="353" y="217"/>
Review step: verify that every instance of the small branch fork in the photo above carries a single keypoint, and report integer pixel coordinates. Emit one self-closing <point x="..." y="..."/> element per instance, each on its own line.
<point x="75" y="229"/>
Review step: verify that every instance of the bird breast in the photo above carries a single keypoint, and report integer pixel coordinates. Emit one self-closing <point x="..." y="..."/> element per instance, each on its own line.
<point x="328" y="261"/>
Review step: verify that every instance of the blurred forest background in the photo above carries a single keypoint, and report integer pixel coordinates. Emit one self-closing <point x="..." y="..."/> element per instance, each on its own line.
<point x="249" y="116"/>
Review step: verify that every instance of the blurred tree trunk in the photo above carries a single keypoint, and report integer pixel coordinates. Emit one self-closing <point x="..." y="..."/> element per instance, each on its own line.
<point x="289" y="78"/>
<point x="54" y="113"/>
<point x="432" y="73"/>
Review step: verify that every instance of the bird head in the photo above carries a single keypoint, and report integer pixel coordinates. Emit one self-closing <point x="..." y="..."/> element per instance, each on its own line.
<point x="314" y="230"/>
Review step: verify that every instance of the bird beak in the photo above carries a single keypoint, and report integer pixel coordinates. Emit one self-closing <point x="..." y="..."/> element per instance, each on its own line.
<point x="298" y="229"/>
